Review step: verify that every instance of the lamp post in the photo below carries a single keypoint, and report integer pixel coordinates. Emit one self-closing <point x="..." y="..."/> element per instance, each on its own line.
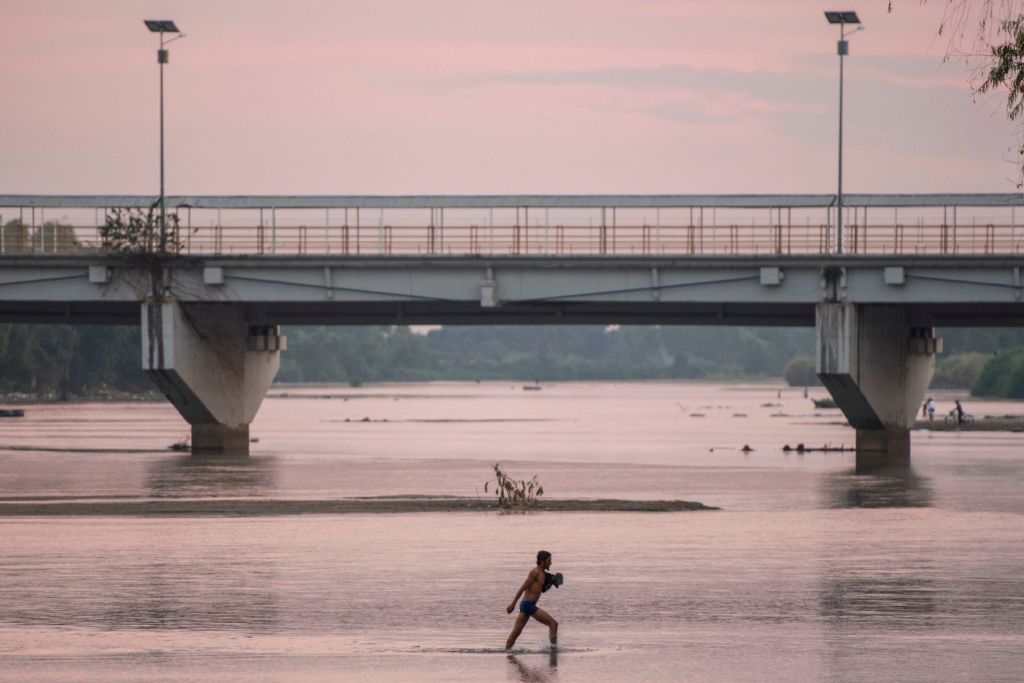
<point x="841" y="18"/>
<point x="162" y="26"/>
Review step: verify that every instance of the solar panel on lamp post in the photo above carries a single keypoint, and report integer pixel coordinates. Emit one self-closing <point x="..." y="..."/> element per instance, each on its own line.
<point x="162" y="26"/>
<point x="841" y="18"/>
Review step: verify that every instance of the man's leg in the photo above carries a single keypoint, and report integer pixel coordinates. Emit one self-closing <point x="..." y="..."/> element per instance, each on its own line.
<point x="521" y="620"/>
<point x="549" y="621"/>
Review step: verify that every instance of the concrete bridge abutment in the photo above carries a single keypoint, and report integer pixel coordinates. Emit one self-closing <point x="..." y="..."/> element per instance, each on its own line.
<point x="213" y="367"/>
<point x="877" y="367"/>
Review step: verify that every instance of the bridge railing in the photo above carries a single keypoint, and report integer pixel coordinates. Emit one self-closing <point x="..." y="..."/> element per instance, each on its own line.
<point x="555" y="240"/>
<point x="932" y="229"/>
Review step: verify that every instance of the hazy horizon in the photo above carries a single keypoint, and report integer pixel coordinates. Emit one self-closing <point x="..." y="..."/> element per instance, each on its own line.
<point x="490" y="98"/>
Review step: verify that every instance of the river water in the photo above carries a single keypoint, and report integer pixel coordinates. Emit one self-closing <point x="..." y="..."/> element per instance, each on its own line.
<point x="809" y="572"/>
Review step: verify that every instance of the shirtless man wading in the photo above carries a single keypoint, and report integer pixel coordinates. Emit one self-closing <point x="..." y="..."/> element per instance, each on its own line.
<point x="531" y="590"/>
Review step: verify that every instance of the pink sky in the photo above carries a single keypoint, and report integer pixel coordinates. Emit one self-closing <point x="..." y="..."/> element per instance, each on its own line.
<point x="481" y="96"/>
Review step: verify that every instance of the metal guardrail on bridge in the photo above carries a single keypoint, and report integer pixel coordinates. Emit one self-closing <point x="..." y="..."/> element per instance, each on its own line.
<point x="534" y="225"/>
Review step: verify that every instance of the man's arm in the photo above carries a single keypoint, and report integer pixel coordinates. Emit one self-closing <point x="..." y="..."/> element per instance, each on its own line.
<point x="522" y="589"/>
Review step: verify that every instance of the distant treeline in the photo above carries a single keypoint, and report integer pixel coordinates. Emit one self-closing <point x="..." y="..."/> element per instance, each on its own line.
<point x="63" y="361"/>
<point x="69" y="361"/>
<point x="538" y="352"/>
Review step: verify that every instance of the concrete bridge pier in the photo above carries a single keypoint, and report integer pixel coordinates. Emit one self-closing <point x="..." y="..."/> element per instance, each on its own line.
<point x="877" y="368"/>
<point x="213" y="366"/>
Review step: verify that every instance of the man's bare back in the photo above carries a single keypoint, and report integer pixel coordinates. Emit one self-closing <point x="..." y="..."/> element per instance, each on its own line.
<point x="530" y="591"/>
<point x="534" y="585"/>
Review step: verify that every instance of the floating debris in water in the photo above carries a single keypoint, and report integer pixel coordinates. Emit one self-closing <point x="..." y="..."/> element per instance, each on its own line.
<point x="827" y="448"/>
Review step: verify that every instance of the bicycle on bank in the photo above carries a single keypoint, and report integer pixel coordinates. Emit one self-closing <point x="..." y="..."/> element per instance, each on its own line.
<point x="951" y="419"/>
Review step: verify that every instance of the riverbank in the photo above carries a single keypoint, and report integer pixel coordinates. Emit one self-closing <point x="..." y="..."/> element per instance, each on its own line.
<point x="103" y="396"/>
<point x="374" y="505"/>
<point x="985" y="423"/>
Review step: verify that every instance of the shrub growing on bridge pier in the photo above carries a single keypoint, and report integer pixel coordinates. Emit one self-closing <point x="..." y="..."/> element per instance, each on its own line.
<point x="134" y="231"/>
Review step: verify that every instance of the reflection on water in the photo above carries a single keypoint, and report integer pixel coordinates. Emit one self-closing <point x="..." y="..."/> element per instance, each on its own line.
<point x="730" y="596"/>
<point x="532" y="673"/>
<point x="180" y="591"/>
<point x="895" y="488"/>
<point x="224" y="597"/>
<point x="191" y="476"/>
<point x="894" y="601"/>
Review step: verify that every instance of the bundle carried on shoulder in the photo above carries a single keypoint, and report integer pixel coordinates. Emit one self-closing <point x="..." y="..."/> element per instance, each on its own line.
<point x="550" y="580"/>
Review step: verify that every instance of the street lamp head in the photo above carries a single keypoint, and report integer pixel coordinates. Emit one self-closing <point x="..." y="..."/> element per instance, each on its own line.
<point x="842" y="17"/>
<point x="161" y="26"/>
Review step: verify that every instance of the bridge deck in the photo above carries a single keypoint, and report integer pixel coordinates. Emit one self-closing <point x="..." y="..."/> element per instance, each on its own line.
<point x="766" y="290"/>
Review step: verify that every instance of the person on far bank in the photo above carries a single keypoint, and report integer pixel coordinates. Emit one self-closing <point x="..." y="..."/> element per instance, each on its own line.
<point x="530" y="592"/>
<point x="959" y="413"/>
<point x="929" y="409"/>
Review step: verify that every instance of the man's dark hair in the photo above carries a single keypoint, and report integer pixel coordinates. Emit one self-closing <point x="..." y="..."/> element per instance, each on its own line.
<point x="543" y="555"/>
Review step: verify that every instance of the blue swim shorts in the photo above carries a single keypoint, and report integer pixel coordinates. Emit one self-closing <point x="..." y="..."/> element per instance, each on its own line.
<point x="528" y="608"/>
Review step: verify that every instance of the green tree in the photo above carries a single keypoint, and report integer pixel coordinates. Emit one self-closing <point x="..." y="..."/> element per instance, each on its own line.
<point x="107" y="357"/>
<point x="17" y="365"/>
<point x="65" y="361"/>
<point x="1002" y="376"/>
<point x="960" y="371"/>
<point x="14" y="237"/>
<point x="989" y="35"/>
<point x="55" y="237"/>
<point x="1006" y="70"/>
<point x="801" y="372"/>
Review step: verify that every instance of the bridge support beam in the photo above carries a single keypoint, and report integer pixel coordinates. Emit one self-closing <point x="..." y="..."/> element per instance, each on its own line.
<point x="877" y="368"/>
<point x="214" y="368"/>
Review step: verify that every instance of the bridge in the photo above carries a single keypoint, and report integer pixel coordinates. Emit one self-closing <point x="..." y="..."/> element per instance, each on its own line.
<point x="240" y="267"/>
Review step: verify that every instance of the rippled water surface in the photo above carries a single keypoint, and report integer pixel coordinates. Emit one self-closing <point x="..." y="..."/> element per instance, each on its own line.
<point x="809" y="572"/>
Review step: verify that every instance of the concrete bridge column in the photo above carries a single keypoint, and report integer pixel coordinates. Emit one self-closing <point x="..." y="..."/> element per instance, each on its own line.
<point x="877" y="368"/>
<point x="213" y="366"/>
